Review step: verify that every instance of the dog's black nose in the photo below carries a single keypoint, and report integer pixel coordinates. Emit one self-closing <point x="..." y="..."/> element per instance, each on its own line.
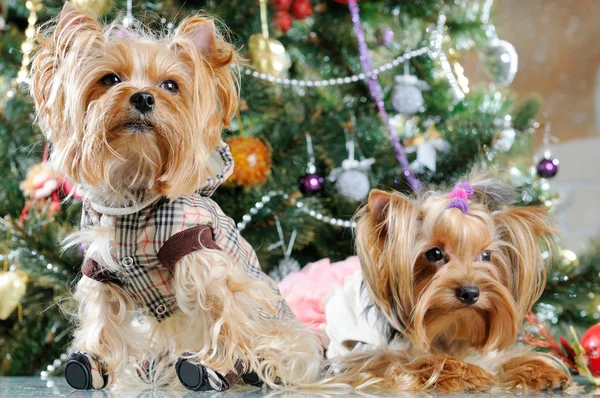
<point x="143" y="102"/>
<point x="468" y="295"/>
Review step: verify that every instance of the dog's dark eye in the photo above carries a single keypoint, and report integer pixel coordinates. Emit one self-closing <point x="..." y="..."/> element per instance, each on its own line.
<point x="435" y="255"/>
<point x="110" y="80"/>
<point x="485" y="256"/>
<point x="170" y="86"/>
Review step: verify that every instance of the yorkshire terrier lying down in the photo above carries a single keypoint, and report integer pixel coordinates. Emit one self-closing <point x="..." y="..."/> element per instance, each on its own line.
<point x="445" y="284"/>
<point x="169" y="287"/>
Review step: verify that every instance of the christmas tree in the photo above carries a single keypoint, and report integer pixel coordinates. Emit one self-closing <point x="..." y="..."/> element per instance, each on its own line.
<point x="337" y="98"/>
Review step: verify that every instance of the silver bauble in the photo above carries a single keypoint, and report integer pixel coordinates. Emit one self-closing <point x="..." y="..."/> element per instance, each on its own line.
<point x="285" y="267"/>
<point x="502" y="62"/>
<point x="407" y="97"/>
<point x="353" y="184"/>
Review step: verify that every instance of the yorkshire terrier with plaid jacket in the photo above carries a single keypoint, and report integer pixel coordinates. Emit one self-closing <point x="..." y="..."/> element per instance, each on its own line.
<point x="169" y="287"/>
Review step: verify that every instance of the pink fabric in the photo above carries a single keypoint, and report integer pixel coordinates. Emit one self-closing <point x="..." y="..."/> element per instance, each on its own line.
<point x="307" y="291"/>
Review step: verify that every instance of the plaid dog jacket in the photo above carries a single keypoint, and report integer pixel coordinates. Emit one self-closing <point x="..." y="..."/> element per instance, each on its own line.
<point x="148" y="243"/>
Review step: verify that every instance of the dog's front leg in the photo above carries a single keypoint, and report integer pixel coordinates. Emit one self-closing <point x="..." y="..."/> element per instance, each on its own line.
<point x="222" y="316"/>
<point x="395" y="370"/>
<point x="104" y="337"/>
<point x="533" y="371"/>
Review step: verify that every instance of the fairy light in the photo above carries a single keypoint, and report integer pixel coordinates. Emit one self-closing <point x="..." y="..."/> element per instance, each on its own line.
<point x="434" y="52"/>
<point x="51" y="368"/>
<point x="336" y="222"/>
<point x="27" y="46"/>
<point x="338" y="81"/>
<point x="461" y="79"/>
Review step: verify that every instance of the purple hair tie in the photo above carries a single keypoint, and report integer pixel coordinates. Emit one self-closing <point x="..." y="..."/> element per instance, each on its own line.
<point x="459" y="195"/>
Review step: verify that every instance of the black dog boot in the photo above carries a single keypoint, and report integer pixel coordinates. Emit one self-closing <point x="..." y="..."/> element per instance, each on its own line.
<point x="197" y="377"/>
<point x="252" y="379"/>
<point x="82" y="372"/>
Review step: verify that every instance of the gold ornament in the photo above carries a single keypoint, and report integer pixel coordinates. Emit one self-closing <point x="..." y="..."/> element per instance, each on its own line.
<point x="268" y="56"/>
<point x="432" y="133"/>
<point x="95" y="7"/>
<point x="568" y="259"/>
<point x="13" y="285"/>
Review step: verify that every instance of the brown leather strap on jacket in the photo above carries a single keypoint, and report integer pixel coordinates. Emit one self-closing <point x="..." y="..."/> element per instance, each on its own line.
<point x="185" y="242"/>
<point x="91" y="269"/>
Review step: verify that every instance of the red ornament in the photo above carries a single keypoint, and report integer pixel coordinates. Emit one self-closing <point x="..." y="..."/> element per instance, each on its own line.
<point x="590" y="342"/>
<point x="301" y="9"/>
<point x="281" y="5"/>
<point x="283" y="20"/>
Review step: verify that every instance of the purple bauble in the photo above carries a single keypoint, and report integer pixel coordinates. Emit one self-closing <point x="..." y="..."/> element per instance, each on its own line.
<point x="547" y="168"/>
<point x="387" y="37"/>
<point x="311" y="183"/>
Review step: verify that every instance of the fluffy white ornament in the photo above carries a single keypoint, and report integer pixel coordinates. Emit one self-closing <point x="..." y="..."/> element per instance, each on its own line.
<point x="353" y="184"/>
<point x="407" y="97"/>
<point x="284" y="268"/>
<point x="351" y="180"/>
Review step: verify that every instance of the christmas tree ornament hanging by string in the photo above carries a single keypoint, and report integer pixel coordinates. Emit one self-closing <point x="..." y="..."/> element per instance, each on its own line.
<point x="252" y="159"/>
<point x="500" y="58"/>
<point x="548" y="166"/>
<point x="351" y="179"/>
<point x="426" y="147"/>
<point x="97" y="8"/>
<point x="301" y="9"/>
<point x="287" y="265"/>
<point x="267" y="55"/>
<point x="45" y="189"/>
<point x="407" y="97"/>
<point x="311" y="183"/>
<point x="13" y="286"/>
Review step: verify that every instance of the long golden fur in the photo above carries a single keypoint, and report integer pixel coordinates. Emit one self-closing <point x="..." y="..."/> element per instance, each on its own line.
<point x="453" y="347"/>
<point x="89" y="127"/>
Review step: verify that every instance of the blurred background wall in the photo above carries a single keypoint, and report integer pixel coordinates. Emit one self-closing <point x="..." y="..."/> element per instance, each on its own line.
<point x="558" y="42"/>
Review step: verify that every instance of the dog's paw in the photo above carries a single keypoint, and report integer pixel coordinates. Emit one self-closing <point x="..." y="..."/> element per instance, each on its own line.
<point x="531" y="373"/>
<point x="450" y="374"/>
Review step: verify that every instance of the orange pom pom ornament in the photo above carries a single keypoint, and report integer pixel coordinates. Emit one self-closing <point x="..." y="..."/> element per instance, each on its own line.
<point x="252" y="159"/>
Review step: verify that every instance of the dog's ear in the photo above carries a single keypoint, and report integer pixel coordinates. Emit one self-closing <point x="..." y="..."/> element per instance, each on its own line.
<point x="62" y="45"/>
<point x="75" y="29"/>
<point x="378" y="206"/>
<point x="203" y="34"/>
<point x="198" y="35"/>
<point x="215" y="95"/>
<point x="526" y="232"/>
<point x="386" y="233"/>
